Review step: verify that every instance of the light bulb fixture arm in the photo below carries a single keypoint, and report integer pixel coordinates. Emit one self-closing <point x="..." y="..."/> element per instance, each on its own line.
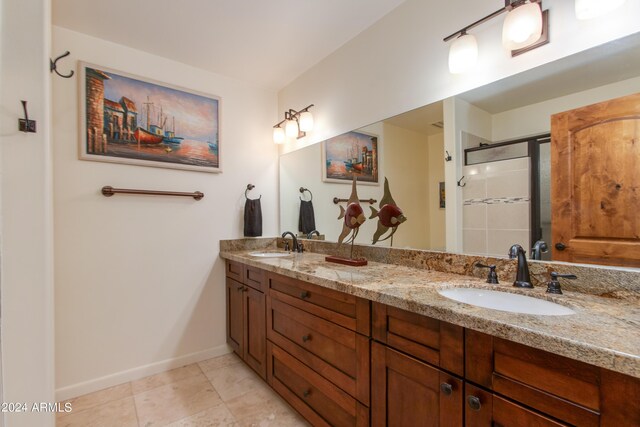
<point x="294" y="115"/>
<point x="508" y="5"/>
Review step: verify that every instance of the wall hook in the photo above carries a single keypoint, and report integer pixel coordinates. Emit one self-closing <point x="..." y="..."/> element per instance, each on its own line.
<point x="26" y="125"/>
<point x="459" y="182"/>
<point x="447" y="158"/>
<point x="53" y="64"/>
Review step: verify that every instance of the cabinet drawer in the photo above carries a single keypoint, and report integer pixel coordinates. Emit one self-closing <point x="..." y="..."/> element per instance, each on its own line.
<point x="338" y="354"/>
<point x="433" y="341"/>
<point x="569" y="390"/>
<point x="318" y="400"/>
<point x="234" y="270"/>
<point x="337" y="307"/>
<point x="490" y="410"/>
<point x="255" y="277"/>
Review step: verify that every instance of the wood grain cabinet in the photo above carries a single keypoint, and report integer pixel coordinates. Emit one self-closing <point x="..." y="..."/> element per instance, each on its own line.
<point x="246" y="315"/>
<point x="319" y="351"/>
<point x="561" y="391"/>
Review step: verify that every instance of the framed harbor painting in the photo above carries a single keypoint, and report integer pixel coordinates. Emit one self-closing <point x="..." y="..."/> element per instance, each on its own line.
<point x="133" y="120"/>
<point x="348" y="155"/>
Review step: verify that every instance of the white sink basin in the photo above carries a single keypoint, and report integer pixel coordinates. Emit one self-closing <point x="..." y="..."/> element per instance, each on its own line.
<point x="270" y="254"/>
<point x="505" y="301"/>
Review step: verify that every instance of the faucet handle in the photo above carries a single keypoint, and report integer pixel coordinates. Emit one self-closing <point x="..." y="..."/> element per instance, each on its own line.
<point x="493" y="276"/>
<point x="553" y="287"/>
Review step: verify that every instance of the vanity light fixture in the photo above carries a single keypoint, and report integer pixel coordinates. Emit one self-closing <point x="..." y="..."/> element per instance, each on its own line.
<point x="463" y="54"/>
<point x="296" y="125"/>
<point x="525" y="27"/>
<point x="588" y="9"/>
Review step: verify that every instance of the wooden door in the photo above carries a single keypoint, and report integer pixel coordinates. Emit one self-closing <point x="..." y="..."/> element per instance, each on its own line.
<point x="595" y="183"/>
<point x="255" y="336"/>
<point x="235" y="315"/>
<point x="407" y="392"/>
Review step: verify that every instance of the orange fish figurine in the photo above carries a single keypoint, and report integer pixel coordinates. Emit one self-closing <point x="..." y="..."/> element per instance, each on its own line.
<point x="389" y="215"/>
<point x="353" y="216"/>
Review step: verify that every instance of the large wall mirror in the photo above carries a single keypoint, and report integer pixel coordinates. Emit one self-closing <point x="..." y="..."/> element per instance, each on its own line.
<point x="544" y="156"/>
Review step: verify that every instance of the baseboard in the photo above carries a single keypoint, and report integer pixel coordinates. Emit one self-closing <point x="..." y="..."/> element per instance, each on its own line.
<point x="85" y="387"/>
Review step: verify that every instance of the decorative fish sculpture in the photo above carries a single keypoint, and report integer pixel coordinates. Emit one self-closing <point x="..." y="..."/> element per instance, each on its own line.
<point x="389" y="215"/>
<point x="353" y="216"/>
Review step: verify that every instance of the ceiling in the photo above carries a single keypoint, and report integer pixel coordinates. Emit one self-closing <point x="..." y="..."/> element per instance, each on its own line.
<point x="421" y="119"/>
<point x="266" y="43"/>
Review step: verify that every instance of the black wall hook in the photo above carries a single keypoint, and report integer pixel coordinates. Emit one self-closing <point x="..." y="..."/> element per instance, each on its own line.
<point x="53" y="64"/>
<point x="447" y="158"/>
<point x="459" y="182"/>
<point x="26" y="125"/>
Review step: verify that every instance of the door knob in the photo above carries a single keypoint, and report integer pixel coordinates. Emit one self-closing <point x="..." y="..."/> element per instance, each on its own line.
<point x="446" y="389"/>
<point x="306" y="338"/>
<point x="561" y="246"/>
<point x="474" y="403"/>
<point x="305" y="295"/>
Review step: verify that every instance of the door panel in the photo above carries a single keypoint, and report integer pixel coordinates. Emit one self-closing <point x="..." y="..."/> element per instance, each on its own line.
<point x="255" y="352"/>
<point x="595" y="190"/>
<point x="235" y="315"/>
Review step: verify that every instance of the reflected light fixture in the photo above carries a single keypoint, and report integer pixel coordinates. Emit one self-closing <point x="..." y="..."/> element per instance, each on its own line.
<point x="296" y="125"/>
<point x="463" y="54"/>
<point x="526" y="27"/>
<point x="589" y="9"/>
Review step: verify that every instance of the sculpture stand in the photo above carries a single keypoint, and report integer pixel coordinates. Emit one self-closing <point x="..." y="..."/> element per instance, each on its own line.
<point x="358" y="262"/>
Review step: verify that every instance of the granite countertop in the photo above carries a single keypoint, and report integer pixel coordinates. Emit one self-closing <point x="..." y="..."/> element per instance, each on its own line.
<point x="604" y="332"/>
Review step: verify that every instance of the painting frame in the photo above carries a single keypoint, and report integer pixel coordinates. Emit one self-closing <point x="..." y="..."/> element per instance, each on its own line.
<point x="377" y="150"/>
<point x="85" y="153"/>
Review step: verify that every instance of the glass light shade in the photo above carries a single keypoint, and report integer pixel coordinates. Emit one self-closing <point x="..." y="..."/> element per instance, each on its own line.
<point x="588" y="9"/>
<point x="278" y="135"/>
<point x="522" y="26"/>
<point x="463" y="54"/>
<point x="291" y="129"/>
<point x="306" y="121"/>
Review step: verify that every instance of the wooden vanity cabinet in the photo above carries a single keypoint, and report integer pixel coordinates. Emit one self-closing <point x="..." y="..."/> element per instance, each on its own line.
<point x="566" y="391"/>
<point x="246" y="314"/>
<point x="410" y="385"/>
<point x="408" y="392"/>
<point x="319" y="351"/>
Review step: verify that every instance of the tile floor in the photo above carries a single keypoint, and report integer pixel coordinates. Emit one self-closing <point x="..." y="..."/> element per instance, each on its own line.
<point x="217" y="392"/>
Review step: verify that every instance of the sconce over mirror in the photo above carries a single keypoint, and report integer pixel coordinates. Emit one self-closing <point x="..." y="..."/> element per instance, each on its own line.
<point x="501" y="140"/>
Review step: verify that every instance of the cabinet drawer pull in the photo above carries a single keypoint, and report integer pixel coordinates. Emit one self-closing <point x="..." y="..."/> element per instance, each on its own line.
<point x="306" y="338"/>
<point x="240" y="288"/>
<point x="306" y="393"/>
<point x="474" y="402"/>
<point x="446" y="389"/>
<point x="305" y="294"/>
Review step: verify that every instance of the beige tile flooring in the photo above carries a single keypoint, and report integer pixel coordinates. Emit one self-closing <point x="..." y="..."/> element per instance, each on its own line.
<point x="217" y="392"/>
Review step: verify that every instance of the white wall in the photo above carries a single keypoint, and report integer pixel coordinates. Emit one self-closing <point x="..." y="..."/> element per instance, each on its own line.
<point x="459" y="117"/>
<point x="404" y="160"/>
<point x="536" y="118"/>
<point x="437" y="217"/>
<point x="139" y="285"/>
<point x="26" y="211"/>
<point x="400" y="63"/>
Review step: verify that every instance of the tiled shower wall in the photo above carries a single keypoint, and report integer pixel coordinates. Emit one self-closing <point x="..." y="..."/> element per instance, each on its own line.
<point x="496" y="207"/>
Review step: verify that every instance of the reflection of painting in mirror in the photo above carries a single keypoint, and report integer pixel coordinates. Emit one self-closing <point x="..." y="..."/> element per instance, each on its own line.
<point x="441" y="193"/>
<point x="351" y="154"/>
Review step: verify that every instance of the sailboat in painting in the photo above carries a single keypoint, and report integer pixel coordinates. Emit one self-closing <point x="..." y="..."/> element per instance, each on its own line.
<point x="170" y="135"/>
<point x="153" y="134"/>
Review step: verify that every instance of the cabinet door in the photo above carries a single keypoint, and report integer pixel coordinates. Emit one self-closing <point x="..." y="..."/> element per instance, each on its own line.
<point x="255" y="337"/>
<point x="484" y="409"/>
<point x="407" y="392"/>
<point x="235" y="315"/>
